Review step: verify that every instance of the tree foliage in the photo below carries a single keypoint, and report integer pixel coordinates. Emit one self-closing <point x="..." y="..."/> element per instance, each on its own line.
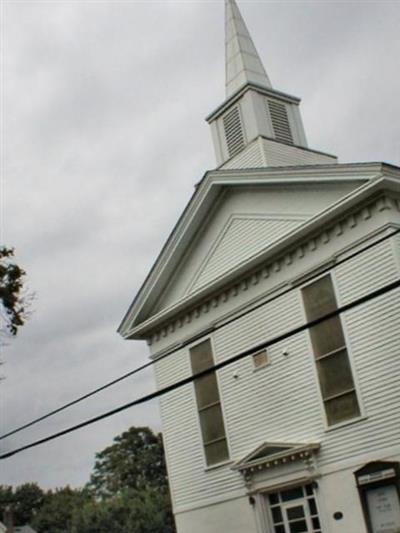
<point x="6" y="498"/>
<point x="28" y="500"/>
<point x="12" y="302"/>
<point x="25" y="500"/>
<point x="130" y="486"/>
<point x="58" y="509"/>
<point x="128" y="492"/>
<point x="136" y="511"/>
<point x="135" y="461"/>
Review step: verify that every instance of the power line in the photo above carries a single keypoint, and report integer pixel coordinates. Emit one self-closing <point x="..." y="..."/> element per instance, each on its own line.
<point x="190" y="341"/>
<point x="375" y="294"/>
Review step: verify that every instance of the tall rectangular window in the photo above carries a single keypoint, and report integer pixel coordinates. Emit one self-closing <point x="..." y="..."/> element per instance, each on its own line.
<point x="209" y="404"/>
<point x="330" y="352"/>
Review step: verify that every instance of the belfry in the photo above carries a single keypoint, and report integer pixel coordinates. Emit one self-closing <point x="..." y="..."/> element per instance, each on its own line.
<point x="257" y="125"/>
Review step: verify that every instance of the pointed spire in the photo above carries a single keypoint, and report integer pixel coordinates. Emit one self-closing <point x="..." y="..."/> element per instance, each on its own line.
<point x="243" y="64"/>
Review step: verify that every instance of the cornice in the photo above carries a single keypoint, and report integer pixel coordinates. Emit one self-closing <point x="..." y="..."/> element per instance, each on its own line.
<point x="300" y="452"/>
<point x="322" y="171"/>
<point x="272" y="93"/>
<point x="160" y="327"/>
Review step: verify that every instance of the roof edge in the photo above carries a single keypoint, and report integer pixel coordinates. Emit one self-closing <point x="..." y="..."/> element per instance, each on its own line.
<point x="243" y="90"/>
<point x="306" y="148"/>
<point x="145" y="289"/>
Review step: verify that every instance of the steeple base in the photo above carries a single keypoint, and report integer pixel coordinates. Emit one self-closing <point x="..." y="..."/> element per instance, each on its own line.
<point x="264" y="152"/>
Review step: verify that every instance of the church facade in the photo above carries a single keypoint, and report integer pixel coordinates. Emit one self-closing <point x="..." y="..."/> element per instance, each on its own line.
<point x="301" y="433"/>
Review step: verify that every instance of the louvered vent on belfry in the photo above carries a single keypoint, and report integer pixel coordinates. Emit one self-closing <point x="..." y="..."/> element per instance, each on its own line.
<point x="233" y="132"/>
<point x="280" y="122"/>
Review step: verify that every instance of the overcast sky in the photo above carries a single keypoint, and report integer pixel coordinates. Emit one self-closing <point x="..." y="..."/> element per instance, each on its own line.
<point x="103" y="141"/>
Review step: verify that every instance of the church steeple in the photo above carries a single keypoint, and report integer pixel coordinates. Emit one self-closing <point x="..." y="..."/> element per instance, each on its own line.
<point x="243" y="64"/>
<point x="256" y="126"/>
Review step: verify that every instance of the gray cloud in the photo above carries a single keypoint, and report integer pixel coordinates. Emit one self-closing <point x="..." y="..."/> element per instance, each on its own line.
<point x="104" y="141"/>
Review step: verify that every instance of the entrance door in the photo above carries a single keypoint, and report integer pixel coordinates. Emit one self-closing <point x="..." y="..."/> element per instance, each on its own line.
<point x="294" y="511"/>
<point x="296" y="517"/>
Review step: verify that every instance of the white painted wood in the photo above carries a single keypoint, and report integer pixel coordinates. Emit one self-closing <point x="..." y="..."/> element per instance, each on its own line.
<point x="282" y="208"/>
<point x="211" y="190"/>
<point x="247" y="89"/>
<point x="263" y="152"/>
<point x="247" y="236"/>
<point x="242" y="237"/>
<point x="278" y="154"/>
<point x="250" y="157"/>
<point x="237" y="516"/>
<point x="280" y="402"/>
<point x="243" y="64"/>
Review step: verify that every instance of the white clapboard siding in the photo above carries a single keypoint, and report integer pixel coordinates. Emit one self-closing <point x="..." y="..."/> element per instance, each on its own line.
<point x="182" y="438"/>
<point x="377" y="367"/>
<point x="374" y="345"/>
<point x="396" y="247"/>
<point x="265" y="153"/>
<point x="190" y="482"/>
<point x="278" y="154"/>
<point x="250" y="157"/>
<point x="240" y="239"/>
<point x="281" y="401"/>
<point x="367" y="272"/>
<point x="294" y="203"/>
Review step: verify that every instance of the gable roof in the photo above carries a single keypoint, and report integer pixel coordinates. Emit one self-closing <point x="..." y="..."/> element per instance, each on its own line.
<point x="367" y="176"/>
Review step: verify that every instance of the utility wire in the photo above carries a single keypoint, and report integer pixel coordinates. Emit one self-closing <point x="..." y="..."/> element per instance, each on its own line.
<point x="352" y="305"/>
<point x="190" y="341"/>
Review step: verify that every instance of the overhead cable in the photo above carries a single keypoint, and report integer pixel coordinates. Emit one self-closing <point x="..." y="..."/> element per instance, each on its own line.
<point x="161" y="392"/>
<point x="190" y="340"/>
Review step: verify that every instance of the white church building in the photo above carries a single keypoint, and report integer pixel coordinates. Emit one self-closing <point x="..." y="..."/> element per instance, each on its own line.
<point x="302" y="435"/>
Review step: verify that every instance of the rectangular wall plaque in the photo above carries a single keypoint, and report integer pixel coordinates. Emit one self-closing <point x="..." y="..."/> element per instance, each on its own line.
<point x="376" y="476"/>
<point x="384" y="509"/>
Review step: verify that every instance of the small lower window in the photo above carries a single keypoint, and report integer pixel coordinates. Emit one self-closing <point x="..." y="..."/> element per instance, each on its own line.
<point x="260" y="359"/>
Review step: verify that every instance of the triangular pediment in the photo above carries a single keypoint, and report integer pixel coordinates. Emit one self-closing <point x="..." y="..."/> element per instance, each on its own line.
<point x="275" y="453"/>
<point x="235" y="219"/>
<point x="242" y="237"/>
<point x="244" y="222"/>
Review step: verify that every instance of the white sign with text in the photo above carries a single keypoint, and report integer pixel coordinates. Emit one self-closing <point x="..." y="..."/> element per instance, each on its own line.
<point x="384" y="509"/>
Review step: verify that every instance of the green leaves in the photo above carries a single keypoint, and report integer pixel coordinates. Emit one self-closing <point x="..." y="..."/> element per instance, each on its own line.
<point x="12" y="302"/>
<point x="57" y="512"/>
<point x="25" y="501"/>
<point x="135" y="461"/>
<point x="143" y="511"/>
<point x="128" y="491"/>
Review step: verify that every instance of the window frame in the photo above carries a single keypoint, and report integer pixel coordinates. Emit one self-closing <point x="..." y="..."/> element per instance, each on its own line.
<point x="263" y="365"/>
<point x="228" y="460"/>
<point x="362" y="416"/>
<point x="264" y="506"/>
